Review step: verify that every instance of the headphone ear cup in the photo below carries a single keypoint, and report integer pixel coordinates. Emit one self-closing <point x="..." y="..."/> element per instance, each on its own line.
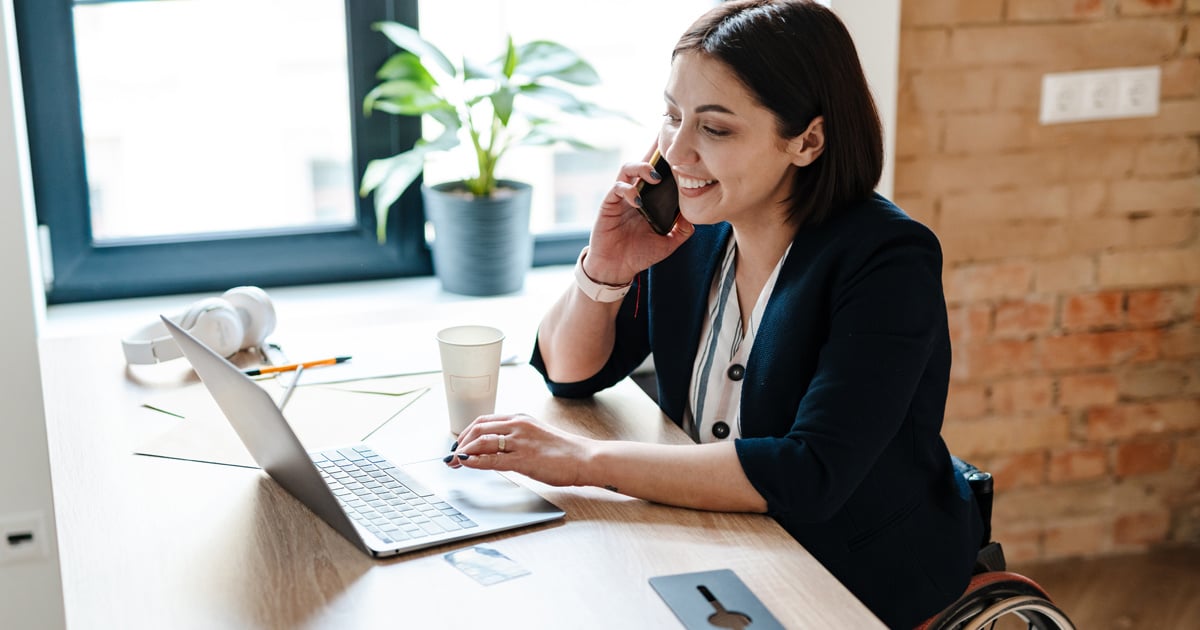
<point x="256" y="312"/>
<point x="217" y="324"/>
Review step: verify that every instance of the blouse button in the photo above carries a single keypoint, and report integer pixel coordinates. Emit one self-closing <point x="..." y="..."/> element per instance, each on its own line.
<point x="736" y="372"/>
<point x="720" y="430"/>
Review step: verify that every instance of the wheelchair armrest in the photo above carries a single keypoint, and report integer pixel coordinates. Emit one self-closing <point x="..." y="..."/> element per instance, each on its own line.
<point x="981" y="486"/>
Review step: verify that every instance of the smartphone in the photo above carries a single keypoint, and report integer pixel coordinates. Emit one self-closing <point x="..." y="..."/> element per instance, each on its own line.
<point x="660" y="202"/>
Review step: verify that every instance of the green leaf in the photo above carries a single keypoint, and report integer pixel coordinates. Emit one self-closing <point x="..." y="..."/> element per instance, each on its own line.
<point x="444" y="142"/>
<point x="502" y="103"/>
<point x="403" y="98"/>
<point x="558" y="98"/>
<point x="405" y="66"/>
<point x="449" y="119"/>
<point x="475" y="70"/>
<point x="510" y="59"/>
<point x="542" y="58"/>
<point x="388" y="178"/>
<point x="409" y="39"/>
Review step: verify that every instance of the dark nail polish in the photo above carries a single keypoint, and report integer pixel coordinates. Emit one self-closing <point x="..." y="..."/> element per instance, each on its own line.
<point x="454" y="446"/>
<point x="463" y="456"/>
<point x="638" y="202"/>
<point x="654" y="174"/>
<point x="448" y="458"/>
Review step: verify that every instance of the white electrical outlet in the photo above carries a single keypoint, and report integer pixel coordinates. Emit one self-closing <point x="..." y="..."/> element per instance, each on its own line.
<point x="22" y="537"/>
<point x="1062" y="97"/>
<point x="1137" y="92"/>
<point x="1099" y="94"/>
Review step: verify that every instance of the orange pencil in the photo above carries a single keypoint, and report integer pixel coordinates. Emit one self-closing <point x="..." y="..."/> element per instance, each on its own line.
<point x="271" y="369"/>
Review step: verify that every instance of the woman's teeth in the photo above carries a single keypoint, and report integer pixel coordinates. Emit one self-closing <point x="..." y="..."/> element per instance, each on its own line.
<point x="687" y="182"/>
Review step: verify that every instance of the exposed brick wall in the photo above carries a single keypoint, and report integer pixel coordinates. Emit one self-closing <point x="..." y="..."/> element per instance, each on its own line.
<point x="1072" y="263"/>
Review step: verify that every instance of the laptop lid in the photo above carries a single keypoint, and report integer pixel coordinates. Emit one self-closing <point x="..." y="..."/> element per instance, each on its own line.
<point x="493" y="501"/>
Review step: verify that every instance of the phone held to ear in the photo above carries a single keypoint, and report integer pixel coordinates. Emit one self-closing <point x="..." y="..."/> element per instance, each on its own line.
<point x="660" y="202"/>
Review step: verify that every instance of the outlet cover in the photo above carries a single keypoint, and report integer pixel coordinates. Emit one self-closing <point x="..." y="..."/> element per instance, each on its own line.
<point x="1062" y="97"/>
<point x="1137" y="91"/>
<point x="1099" y="94"/>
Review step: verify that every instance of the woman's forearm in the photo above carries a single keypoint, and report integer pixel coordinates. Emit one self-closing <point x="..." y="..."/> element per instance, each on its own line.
<point x="705" y="476"/>
<point x="576" y="336"/>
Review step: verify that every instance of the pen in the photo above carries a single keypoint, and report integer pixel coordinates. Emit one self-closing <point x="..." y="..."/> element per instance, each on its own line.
<point x="271" y="369"/>
<point x="287" y="395"/>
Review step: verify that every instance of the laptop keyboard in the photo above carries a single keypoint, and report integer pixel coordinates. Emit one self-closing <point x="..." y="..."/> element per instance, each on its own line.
<point x="383" y="499"/>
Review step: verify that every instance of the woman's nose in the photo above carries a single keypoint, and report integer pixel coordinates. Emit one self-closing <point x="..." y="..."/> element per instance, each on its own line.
<point x="677" y="148"/>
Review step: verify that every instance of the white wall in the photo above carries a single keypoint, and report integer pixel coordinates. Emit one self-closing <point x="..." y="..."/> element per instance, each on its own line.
<point x="30" y="588"/>
<point x="875" y="27"/>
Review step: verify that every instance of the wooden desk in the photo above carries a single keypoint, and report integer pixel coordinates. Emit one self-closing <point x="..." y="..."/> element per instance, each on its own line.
<point x="158" y="543"/>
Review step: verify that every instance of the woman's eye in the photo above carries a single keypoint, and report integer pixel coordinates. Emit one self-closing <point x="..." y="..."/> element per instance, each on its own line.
<point x="713" y="131"/>
<point x="671" y="118"/>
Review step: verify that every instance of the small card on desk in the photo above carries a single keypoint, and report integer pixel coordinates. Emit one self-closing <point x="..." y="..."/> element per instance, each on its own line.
<point x="713" y="599"/>
<point x="486" y="565"/>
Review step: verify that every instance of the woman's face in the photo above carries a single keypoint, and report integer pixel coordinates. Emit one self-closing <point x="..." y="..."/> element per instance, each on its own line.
<point x="723" y="147"/>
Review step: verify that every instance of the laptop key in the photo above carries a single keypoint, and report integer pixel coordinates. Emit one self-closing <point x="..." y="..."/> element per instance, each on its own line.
<point x="431" y="528"/>
<point x="407" y="480"/>
<point x="446" y="523"/>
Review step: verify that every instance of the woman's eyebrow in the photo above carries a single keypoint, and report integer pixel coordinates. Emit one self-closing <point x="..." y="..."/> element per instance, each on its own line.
<point x="701" y="108"/>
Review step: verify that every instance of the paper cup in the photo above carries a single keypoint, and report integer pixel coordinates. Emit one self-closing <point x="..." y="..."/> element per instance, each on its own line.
<point x="470" y="369"/>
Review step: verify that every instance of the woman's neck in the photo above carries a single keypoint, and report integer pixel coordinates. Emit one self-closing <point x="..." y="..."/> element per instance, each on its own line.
<point x="758" y="253"/>
<point x="759" y="249"/>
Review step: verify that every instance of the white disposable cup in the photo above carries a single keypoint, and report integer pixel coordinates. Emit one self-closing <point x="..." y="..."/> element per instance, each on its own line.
<point x="470" y="369"/>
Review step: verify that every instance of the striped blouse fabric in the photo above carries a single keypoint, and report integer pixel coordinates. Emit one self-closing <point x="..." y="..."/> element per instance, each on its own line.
<point x="713" y="411"/>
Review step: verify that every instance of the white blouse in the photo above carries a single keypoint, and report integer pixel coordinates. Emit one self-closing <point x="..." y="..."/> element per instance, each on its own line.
<point x="713" y="413"/>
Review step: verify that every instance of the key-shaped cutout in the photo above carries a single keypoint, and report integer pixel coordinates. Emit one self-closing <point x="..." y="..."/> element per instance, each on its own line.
<point x="731" y="619"/>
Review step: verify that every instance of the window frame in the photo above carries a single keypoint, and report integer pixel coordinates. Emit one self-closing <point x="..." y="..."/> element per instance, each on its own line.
<point x="84" y="270"/>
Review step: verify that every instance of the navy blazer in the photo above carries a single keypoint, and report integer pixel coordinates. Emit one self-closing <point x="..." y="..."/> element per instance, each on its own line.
<point x="843" y="399"/>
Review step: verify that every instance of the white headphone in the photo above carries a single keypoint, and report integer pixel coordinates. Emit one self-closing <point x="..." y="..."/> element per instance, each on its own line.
<point x="240" y="319"/>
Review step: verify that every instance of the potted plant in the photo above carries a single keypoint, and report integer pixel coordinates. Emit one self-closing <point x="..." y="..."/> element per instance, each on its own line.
<point x="482" y="243"/>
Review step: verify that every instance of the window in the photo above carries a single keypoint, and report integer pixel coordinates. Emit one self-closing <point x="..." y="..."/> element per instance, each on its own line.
<point x="194" y="145"/>
<point x="100" y="66"/>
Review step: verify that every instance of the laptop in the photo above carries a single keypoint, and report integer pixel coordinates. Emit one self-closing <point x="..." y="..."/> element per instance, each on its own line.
<point x="381" y="508"/>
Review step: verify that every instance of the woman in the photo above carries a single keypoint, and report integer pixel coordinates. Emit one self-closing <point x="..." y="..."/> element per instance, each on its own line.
<point x="795" y="318"/>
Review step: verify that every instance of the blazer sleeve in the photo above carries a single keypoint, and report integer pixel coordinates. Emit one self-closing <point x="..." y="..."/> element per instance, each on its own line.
<point x="886" y="315"/>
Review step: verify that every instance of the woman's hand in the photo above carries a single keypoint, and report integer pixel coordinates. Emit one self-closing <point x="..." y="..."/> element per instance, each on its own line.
<point x="521" y="444"/>
<point x="622" y="241"/>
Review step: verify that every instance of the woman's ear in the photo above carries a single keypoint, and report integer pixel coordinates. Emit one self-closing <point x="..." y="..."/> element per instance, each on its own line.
<point x="808" y="146"/>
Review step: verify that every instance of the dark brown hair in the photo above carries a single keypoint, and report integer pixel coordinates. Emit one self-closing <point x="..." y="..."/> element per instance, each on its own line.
<point x="797" y="60"/>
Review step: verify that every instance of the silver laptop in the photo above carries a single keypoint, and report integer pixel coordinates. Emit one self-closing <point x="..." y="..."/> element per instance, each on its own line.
<point x="382" y="508"/>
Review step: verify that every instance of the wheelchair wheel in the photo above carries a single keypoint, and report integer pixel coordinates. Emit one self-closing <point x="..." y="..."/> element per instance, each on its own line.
<point x="1000" y="600"/>
<point x="1033" y="612"/>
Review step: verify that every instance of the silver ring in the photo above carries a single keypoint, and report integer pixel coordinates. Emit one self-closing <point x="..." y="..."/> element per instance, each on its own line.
<point x="501" y="442"/>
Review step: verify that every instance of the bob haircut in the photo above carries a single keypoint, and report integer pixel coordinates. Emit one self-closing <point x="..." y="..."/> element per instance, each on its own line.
<point x="797" y="59"/>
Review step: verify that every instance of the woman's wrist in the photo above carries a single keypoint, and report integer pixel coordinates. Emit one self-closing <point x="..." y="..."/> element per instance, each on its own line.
<point x="601" y="276"/>
<point x="596" y="288"/>
<point x="589" y="463"/>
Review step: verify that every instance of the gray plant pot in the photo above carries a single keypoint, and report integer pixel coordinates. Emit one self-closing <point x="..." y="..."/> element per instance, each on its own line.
<point x="481" y="246"/>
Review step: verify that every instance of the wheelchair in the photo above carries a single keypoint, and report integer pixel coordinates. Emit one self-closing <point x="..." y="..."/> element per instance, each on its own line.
<point x="996" y="598"/>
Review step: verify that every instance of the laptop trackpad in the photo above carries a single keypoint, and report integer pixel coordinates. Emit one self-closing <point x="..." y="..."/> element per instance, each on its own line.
<point x="481" y="492"/>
